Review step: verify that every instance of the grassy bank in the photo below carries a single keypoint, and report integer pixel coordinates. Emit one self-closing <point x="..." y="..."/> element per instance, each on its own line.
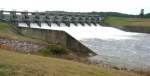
<point x="120" y="21"/>
<point x="4" y="26"/>
<point x="16" y="64"/>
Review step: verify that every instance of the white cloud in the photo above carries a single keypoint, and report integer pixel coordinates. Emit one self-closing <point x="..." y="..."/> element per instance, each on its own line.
<point x="125" y="6"/>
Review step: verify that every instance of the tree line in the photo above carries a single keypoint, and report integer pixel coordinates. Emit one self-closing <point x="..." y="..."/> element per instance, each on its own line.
<point x="117" y="14"/>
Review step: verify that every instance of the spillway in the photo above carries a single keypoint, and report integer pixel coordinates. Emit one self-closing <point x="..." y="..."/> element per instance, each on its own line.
<point x="85" y="32"/>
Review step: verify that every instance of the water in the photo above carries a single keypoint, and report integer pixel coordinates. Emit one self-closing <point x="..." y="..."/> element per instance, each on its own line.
<point x="113" y="46"/>
<point x="85" y="32"/>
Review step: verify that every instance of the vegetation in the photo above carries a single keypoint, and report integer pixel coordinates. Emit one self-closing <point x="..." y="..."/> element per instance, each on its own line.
<point x="127" y="21"/>
<point x="115" y="14"/>
<point x="16" y="64"/>
<point x="4" y="26"/>
<point x="53" y="50"/>
<point x="147" y="15"/>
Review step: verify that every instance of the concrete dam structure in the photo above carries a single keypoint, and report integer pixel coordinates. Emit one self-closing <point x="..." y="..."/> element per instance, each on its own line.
<point x="48" y="17"/>
<point x="57" y="37"/>
<point x="52" y="17"/>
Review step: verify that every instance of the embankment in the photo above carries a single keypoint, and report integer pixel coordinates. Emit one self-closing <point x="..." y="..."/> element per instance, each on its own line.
<point x="141" y="25"/>
<point x="140" y="29"/>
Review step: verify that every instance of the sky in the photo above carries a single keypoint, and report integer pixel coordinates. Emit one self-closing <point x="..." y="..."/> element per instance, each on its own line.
<point x="123" y="6"/>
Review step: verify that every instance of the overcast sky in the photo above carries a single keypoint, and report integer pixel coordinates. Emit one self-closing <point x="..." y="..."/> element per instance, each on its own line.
<point x="123" y="6"/>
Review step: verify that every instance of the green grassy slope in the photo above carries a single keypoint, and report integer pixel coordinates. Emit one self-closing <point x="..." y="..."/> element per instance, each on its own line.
<point x="4" y="25"/>
<point x="16" y="64"/>
<point x="127" y="21"/>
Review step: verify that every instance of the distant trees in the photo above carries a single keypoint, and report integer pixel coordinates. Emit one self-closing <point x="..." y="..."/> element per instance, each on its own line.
<point x="147" y="15"/>
<point x="116" y="14"/>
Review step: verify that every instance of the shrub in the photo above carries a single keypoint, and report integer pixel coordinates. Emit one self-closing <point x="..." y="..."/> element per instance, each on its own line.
<point x="53" y="50"/>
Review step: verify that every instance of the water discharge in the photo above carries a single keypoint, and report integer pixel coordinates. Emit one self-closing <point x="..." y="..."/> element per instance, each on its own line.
<point x="85" y="32"/>
<point x="113" y="46"/>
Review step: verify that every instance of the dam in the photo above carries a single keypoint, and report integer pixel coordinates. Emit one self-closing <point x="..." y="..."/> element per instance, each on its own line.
<point x="49" y="17"/>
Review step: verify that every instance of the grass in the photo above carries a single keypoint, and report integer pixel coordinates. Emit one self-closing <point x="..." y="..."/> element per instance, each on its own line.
<point x="16" y="64"/>
<point x="4" y="26"/>
<point x="127" y="21"/>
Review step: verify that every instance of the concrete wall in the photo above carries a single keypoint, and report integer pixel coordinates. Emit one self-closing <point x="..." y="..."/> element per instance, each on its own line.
<point x="57" y="37"/>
